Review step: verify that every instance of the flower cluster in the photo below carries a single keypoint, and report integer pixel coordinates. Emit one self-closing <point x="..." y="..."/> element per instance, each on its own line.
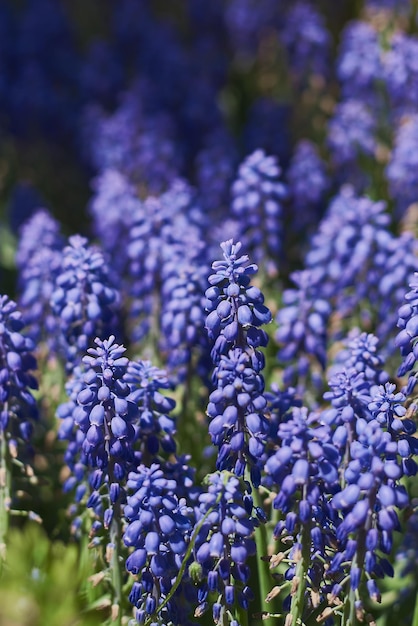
<point x="18" y="406"/>
<point x="84" y="299"/>
<point x="159" y="529"/>
<point x="236" y="308"/>
<point x="39" y="258"/>
<point x="257" y="201"/>
<point x="238" y="425"/>
<point x="224" y="543"/>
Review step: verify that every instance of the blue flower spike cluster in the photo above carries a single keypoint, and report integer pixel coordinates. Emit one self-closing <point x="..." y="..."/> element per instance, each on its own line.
<point x="18" y="408"/>
<point x="38" y="259"/>
<point x="224" y="543"/>
<point x="236" y="407"/>
<point x="84" y="298"/>
<point x="159" y="527"/>
<point x="257" y="203"/>
<point x="308" y="164"/>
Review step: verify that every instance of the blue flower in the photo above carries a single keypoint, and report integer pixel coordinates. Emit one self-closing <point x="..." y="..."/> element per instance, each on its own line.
<point x="308" y="183"/>
<point x="159" y="531"/>
<point x="257" y="201"/>
<point x="156" y="426"/>
<point x="402" y="184"/>
<point x="224" y="543"/>
<point x="39" y="258"/>
<point x="307" y="41"/>
<point x="303" y="329"/>
<point x="84" y="299"/>
<point x="18" y="408"/>
<point x="359" y="65"/>
<point x="236" y="308"/>
<point x="236" y="407"/>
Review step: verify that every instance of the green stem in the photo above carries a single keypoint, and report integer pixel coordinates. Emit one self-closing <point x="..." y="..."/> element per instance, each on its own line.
<point x="264" y="578"/>
<point x="115" y="564"/>
<point x="4" y="495"/>
<point x="298" y="599"/>
<point x="415" y="618"/>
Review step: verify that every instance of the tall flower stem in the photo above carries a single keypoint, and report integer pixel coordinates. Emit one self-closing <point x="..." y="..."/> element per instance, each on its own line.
<point x="298" y="599"/>
<point x="264" y="578"/>
<point x="415" y="618"/>
<point x="4" y="495"/>
<point x="115" y="565"/>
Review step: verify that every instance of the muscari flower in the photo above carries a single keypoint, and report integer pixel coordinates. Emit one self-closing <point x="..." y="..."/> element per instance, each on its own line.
<point x="18" y="409"/>
<point x="308" y="183"/>
<point x="236" y="308"/>
<point x="84" y="299"/>
<point x="306" y="40"/>
<point x="402" y="184"/>
<point x="257" y="203"/>
<point x="165" y="233"/>
<point x="160" y="523"/>
<point x="302" y="332"/>
<point x="224" y="542"/>
<point x="359" y="65"/>
<point x="406" y="337"/>
<point x="236" y="407"/>
<point x="39" y="257"/>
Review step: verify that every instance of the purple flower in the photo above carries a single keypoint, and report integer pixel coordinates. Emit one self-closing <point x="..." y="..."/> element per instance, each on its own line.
<point x="236" y="412"/>
<point x="165" y="235"/>
<point x="236" y="308"/>
<point x="257" y="199"/>
<point x="302" y="332"/>
<point x="159" y="530"/>
<point x="18" y="409"/>
<point x="156" y="425"/>
<point x="408" y="323"/>
<point x="308" y="183"/>
<point x="359" y="66"/>
<point x="84" y="299"/>
<point x="236" y="407"/>
<point x="351" y="132"/>
<point x="307" y="41"/>
<point x="39" y="258"/>
<point x="113" y="209"/>
<point x="225" y="542"/>
<point x="401" y="73"/>
<point x="402" y="184"/>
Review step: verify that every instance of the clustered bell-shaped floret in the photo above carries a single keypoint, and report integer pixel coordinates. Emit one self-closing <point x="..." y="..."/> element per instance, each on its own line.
<point x="369" y="502"/>
<point x="388" y="409"/>
<point x="302" y="332"/>
<point x="257" y="201"/>
<point x="18" y="409"/>
<point x="223" y="545"/>
<point x="302" y="471"/>
<point x="359" y="65"/>
<point x="236" y="410"/>
<point x="38" y="258"/>
<point x="113" y="209"/>
<point x="105" y="414"/>
<point x="406" y="339"/>
<point x="236" y="407"/>
<point x="156" y="426"/>
<point x="308" y="182"/>
<point x="160" y="524"/>
<point x="307" y="41"/>
<point x="84" y="299"/>
<point x="236" y="308"/>
<point x="165" y="237"/>
<point x="182" y="314"/>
